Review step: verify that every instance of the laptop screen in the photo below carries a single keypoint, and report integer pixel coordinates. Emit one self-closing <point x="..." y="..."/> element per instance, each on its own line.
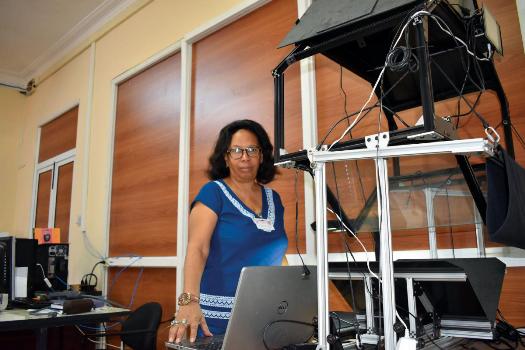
<point x="273" y="305"/>
<point x="270" y="302"/>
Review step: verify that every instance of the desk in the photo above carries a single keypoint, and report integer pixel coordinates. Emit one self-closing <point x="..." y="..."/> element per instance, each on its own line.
<point x="19" y="319"/>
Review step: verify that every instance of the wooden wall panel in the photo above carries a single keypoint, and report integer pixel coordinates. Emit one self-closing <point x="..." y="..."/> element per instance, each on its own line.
<point x="155" y="284"/>
<point x="63" y="200"/>
<point x="145" y="163"/>
<point x="42" y="199"/>
<point x="512" y="299"/>
<point x="232" y="80"/>
<point x="59" y="135"/>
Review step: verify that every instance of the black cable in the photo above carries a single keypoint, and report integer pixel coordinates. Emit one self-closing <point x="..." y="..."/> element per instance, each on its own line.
<point x="105" y="300"/>
<point x="450" y="225"/>
<point x="522" y="142"/>
<point x="520" y="334"/>
<point x="347" y="117"/>
<point x="402" y="59"/>
<point x="342" y="89"/>
<point x="489" y="344"/>
<point x="460" y="97"/>
<point x="268" y="325"/>
<point x="371" y="293"/>
<point x="98" y="263"/>
<point x="306" y="271"/>
<point x="347" y="250"/>
<point x="467" y="102"/>
<point x="458" y="45"/>
<point x="87" y="278"/>
<point x="471" y="110"/>
<point x="368" y="109"/>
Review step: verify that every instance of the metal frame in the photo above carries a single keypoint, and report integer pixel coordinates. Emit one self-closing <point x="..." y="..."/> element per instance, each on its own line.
<point x="430" y="125"/>
<point x="372" y="337"/>
<point x="379" y="151"/>
<point x="53" y="165"/>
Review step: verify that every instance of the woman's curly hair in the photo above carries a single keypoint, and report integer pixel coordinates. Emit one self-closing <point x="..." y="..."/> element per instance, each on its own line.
<point x="217" y="165"/>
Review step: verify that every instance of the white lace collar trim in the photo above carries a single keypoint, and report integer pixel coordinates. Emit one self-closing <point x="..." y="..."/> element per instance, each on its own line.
<point x="269" y="198"/>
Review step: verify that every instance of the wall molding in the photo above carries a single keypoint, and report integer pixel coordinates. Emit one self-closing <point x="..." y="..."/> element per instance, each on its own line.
<point x="80" y="33"/>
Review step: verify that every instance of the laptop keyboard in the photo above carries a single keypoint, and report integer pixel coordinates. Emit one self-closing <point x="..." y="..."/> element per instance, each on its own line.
<point x="210" y="346"/>
<point x="29" y="303"/>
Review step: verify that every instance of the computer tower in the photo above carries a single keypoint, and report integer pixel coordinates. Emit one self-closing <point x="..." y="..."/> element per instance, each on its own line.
<point x="54" y="260"/>
<point x="17" y="258"/>
<point x="25" y="263"/>
<point x="6" y="265"/>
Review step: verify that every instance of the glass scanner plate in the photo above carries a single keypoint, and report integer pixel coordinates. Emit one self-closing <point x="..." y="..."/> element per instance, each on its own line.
<point x="423" y="191"/>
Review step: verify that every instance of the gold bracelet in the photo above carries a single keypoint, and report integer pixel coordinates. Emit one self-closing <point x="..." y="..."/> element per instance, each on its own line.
<point x="186" y="298"/>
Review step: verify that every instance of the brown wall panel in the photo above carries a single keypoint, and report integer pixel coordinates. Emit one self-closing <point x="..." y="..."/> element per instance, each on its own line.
<point x="59" y="135"/>
<point x="336" y="301"/>
<point x="145" y="162"/>
<point x="232" y="80"/>
<point x="512" y="299"/>
<point x="63" y="200"/>
<point x="155" y="284"/>
<point x="42" y="199"/>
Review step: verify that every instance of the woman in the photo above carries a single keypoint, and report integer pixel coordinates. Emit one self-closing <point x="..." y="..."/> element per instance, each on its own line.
<point x="234" y="222"/>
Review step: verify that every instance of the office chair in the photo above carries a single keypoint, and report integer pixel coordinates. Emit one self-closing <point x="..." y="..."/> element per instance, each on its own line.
<point x="139" y="330"/>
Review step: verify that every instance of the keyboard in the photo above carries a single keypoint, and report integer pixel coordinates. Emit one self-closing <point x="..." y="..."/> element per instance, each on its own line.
<point x="210" y="346"/>
<point x="29" y="303"/>
<point x="200" y="344"/>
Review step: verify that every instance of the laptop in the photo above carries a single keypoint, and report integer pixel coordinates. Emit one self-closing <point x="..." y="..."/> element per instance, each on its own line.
<point x="266" y="298"/>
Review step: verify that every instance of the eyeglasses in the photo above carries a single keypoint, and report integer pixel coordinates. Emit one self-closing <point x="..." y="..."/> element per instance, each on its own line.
<point x="237" y="152"/>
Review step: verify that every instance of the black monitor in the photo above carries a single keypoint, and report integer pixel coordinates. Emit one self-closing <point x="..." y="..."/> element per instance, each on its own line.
<point x="17" y="257"/>
<point x="6" y="266"/>
<point x="25" y="262"/>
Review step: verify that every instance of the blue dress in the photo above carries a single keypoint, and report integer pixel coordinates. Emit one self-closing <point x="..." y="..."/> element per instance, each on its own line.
<point x="240" y="239"/>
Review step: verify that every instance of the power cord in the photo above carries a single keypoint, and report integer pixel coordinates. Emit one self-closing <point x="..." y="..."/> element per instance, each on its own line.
<point x="306" y="271"/>
<point x="270" y="324"/>
<point x="46" y="280"/>
<point x="86" y="283"/>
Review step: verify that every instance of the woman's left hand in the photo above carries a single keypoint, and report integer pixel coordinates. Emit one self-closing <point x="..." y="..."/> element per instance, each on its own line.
<point x="188" y="315"/>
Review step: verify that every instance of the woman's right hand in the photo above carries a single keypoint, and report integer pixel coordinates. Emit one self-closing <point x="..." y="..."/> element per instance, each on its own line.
<point x="188" y="315"/>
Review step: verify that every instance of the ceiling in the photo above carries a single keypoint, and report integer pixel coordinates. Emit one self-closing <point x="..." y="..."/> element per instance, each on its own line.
<point x="35" y="34"/>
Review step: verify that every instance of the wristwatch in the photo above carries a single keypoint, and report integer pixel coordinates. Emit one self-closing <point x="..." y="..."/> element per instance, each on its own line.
<point x="186" y="298"/>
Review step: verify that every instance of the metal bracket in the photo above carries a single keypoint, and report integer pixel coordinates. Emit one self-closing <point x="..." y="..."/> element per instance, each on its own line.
<point x="287" y="164"/>
<point x="310" y="154"/>
<point x="417" y="20"/>
<point x="443" y="129"/>
<point x="375" y="141"/>
<point x="421" y="295"/>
